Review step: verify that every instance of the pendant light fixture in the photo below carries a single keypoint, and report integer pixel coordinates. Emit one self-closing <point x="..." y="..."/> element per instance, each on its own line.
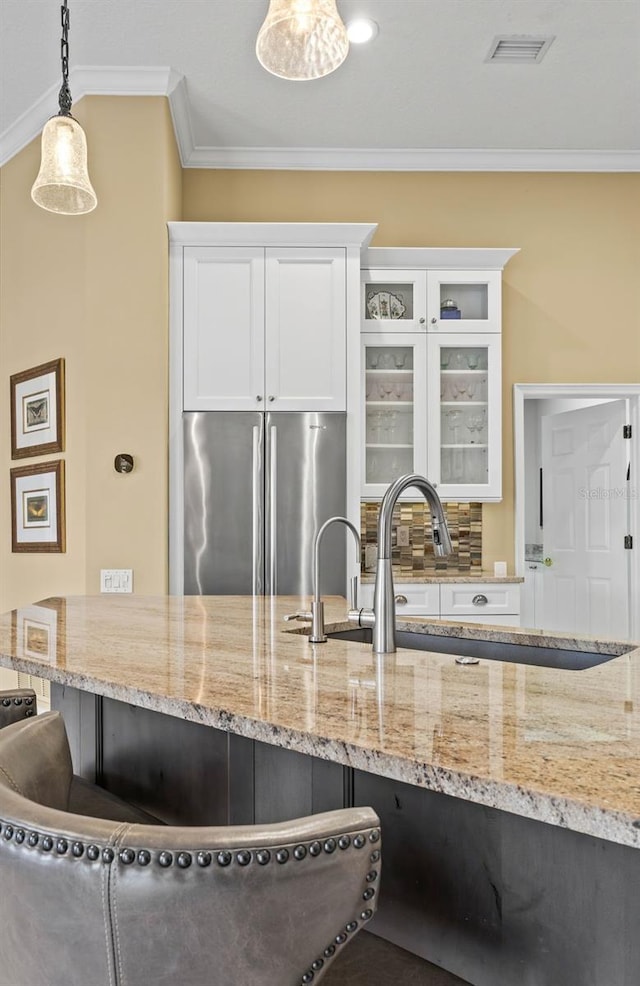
<point x="63" y="183"/>
<point x="302" y="39"/>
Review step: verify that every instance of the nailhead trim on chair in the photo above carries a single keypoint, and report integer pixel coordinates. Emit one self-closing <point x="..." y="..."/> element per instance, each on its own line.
<point x="184" y="859"/>
<point x="344" y="841"/>
<point x="224" y="858"/>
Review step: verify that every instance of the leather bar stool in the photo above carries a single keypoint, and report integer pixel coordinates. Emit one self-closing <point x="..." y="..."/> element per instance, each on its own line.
<point x="85" y="798"/>
<point x="96" y="902"/>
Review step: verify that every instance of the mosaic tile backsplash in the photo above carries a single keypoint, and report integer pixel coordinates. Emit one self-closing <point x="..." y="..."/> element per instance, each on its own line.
<point x="417" y="558"/>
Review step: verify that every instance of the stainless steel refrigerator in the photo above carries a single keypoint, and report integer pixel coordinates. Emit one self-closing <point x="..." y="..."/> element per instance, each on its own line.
<point x="257" y="486"/>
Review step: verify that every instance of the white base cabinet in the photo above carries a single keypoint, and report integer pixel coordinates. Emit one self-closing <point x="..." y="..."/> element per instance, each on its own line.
<point x="496" y="603"/>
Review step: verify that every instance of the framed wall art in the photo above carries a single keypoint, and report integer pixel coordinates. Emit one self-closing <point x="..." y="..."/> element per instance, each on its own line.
<point x="37" y="410"/>
<point x="37" y="507"/>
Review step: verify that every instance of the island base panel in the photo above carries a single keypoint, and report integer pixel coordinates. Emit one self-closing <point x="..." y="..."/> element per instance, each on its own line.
<point x="499" y="899"/>
<point x="494" y="898"/>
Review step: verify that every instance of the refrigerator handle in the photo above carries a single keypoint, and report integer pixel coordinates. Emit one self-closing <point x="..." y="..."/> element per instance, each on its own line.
<point x="256" y="508"/>
<point x="273" y="509"/>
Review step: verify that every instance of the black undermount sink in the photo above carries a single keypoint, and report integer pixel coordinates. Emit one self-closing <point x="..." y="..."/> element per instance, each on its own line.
<point x="542" y="657"/>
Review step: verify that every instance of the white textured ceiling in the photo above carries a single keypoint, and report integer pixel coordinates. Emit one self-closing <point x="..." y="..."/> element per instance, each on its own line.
<point x="422" y="84"/>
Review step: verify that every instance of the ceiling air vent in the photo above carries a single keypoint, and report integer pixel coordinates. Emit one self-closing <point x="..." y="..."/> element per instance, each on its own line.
<point x="519" y="48"/>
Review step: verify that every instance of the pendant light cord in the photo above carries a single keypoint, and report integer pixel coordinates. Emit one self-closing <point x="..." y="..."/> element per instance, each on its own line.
<point x="64" y="96"/>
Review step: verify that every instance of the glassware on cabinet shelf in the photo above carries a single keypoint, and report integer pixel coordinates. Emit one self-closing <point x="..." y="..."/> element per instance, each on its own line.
<point x="454" y="420"/>
<point x="475" y="425"/>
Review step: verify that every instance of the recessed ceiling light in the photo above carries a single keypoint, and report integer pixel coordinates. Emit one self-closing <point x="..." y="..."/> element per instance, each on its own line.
<point x="361" y="30"/>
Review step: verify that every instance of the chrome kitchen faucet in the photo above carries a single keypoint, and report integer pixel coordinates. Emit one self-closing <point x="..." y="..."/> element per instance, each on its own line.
<point x="316" y="615"/>
<point x="383" y="615"/>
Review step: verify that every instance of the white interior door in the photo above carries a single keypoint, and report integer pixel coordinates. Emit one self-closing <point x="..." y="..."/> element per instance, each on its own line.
<point x="585" y="518"/>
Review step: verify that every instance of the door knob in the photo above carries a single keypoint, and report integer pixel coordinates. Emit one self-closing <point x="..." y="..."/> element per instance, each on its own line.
<point x="548" y="562"/>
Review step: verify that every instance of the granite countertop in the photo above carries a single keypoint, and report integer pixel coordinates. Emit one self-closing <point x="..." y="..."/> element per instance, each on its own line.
<point x="559" y="746"/>
<point x="398" y="577"/>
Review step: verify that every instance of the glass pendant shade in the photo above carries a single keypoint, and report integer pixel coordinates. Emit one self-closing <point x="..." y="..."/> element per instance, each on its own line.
<point x="63" y="183"/>
<point x="302" y="39"/>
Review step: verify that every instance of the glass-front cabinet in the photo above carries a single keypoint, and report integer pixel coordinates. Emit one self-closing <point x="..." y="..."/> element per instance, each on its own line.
<point x="463" y="301"/>
<point x="394" y="300"/>
<point x="395" y="408"/>
<point x="464" y="421"/>
<point x="431" y="322"/>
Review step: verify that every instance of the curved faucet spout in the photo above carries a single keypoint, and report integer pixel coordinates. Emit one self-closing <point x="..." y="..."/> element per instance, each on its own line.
<point x="441" y="539"/>
<point x="384" y="610"/>
<point x="317" y="635"/>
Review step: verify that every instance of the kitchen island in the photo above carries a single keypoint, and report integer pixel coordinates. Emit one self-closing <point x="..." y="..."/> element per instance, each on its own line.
<point x="509" y="794"/>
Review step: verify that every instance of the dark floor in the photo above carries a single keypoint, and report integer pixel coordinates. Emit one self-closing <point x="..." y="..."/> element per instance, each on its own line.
<point x="371" y="961"/>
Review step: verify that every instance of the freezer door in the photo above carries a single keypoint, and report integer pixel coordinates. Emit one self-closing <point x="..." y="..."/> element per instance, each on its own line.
<point x="223" y="503"/>
<point x="305" y="478"/>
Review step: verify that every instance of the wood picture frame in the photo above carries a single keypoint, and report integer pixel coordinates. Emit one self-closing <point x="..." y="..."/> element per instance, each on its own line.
<point x="38" y="507"/>
<point x="37" y="410"/>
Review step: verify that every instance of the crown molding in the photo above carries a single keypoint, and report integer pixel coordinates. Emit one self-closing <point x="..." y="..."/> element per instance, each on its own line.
<point x="410" y="159"/>
<point x="164" y="81"/>
<point x="87" y="80"/>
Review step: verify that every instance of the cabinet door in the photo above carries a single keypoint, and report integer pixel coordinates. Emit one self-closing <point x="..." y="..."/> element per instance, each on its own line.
<point x="223" y="329"/>
<point x="394" y="410"/>
<point x="393" y="300"/>
<point x="464" y="301"/>
<point x="306" y="329"/>
<point x="465" y="424"/>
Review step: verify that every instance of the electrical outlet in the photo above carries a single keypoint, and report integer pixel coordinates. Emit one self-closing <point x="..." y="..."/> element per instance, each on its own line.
<point x="370" y="557"/>
<point x="403" y="536"/>
<point x="116" y="580"/>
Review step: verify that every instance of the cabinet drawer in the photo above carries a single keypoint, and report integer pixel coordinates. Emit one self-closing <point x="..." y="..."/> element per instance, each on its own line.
<point x="482" y="599"/>
<point x="411" y="599"/>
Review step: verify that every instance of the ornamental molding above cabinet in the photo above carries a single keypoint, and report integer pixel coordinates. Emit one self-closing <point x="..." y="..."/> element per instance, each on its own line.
<point x="439" y="258"/>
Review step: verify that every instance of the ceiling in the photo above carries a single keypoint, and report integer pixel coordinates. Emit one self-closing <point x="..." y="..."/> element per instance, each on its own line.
<point x="420" y="96"/>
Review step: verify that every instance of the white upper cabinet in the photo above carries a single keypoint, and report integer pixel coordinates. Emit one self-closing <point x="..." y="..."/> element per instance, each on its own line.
<point x="393" y="300"/>
<point x="224" y="352"/>
<point x="260" y="314"/>
<point x="305" y="337"/>
<point x="431" y="322"/>
<point x="464" y="418"/>
<point x="464" y="301"/>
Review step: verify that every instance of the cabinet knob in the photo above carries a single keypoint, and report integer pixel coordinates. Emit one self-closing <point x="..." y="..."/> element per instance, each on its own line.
<point x="259" y="398"/>
<point x="434" y="321"/>
<point x="422" y="320"/>
<point x="480" y="600"/>
<point x="401" y="600"/>
<point x="271" y="397"/>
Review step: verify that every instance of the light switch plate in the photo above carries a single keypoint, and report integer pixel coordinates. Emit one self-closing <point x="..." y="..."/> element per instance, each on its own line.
<point x="116" y="580"/>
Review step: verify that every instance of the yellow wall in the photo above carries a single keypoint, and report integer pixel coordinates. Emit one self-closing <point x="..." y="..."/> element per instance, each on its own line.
<point x="93" y="289"/>
<point x="571" y="303"/>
